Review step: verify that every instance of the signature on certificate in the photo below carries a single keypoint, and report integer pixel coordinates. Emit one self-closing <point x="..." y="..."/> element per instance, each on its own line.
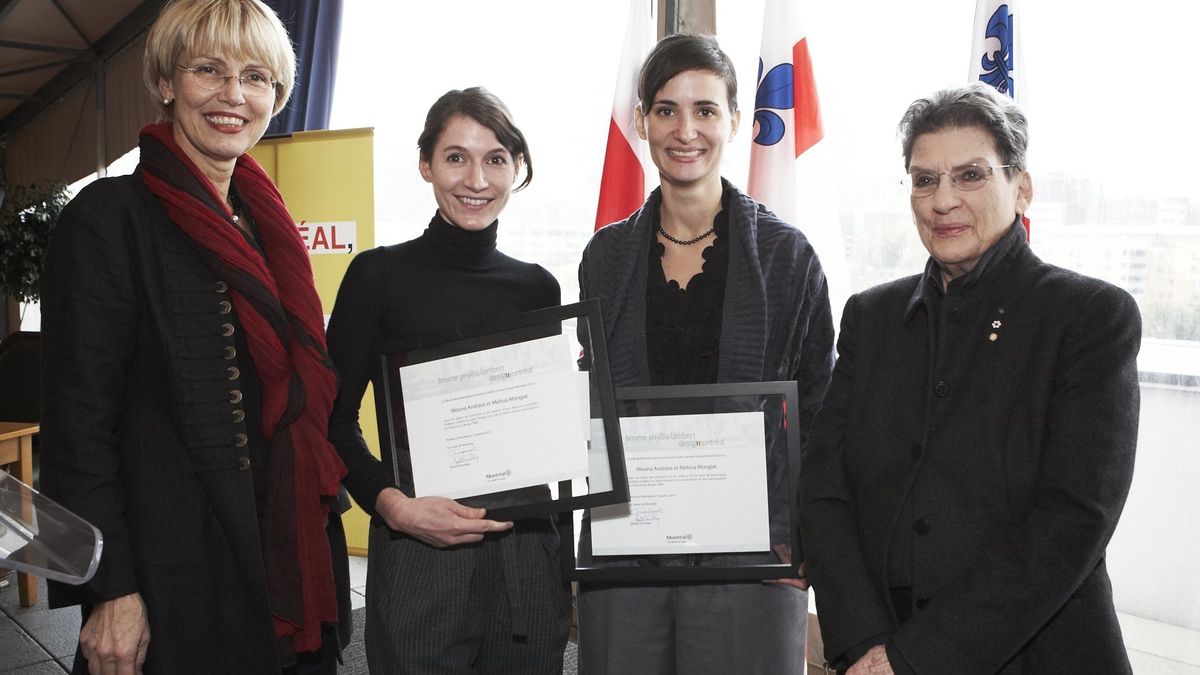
<point x="647" y="514"/>
<point x="460" y="455"/>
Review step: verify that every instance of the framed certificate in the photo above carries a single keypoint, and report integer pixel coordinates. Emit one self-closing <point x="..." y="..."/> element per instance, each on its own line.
<point x="516" y="415"/>
<point x="712" y="473"/>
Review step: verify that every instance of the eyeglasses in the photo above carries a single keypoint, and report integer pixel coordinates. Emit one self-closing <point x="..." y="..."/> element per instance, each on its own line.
<point x="965" y="178"/>
<point x="254" y="82"/>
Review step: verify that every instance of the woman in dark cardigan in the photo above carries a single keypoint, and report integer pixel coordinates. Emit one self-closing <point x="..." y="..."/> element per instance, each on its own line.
<point x="701" y="285"/>
<point x="186" y="386"/>
<point x="448" y="590"/>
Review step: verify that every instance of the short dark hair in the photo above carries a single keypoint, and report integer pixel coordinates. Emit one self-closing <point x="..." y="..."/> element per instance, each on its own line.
<point x="681" y="52"/>
<point x="485" y="108"/>
<point x="975" y="105"/>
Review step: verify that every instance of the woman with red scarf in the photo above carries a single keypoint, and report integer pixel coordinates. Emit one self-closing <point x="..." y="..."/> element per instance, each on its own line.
<point x="187" y="386"/>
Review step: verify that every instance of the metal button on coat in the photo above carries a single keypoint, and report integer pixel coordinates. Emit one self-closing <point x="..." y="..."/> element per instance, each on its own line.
<point x="235" y="396"/>
<point x="941" y="389"/>
<point x="233" y="372"/>
<point x="224" y="307"/>
<point x="230" y="352"/>
<point x="222" y="287"/>
<point x="921" y="527"/>
<point x="243" y="463"/>
<point x="226" y="329"/>
<point x="240" y="440"/>
<point x="239" y="415"/>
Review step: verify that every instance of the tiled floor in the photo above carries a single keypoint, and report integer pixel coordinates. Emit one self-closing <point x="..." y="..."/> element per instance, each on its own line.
<point x="358" y="582"/>
<point x="1160" y="649"/>
<point x="37" y="640"/>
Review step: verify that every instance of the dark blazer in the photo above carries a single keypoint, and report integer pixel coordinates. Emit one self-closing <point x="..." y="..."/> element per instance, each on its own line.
<point x="144" y="430"/>
<point x="1004" y="426"/>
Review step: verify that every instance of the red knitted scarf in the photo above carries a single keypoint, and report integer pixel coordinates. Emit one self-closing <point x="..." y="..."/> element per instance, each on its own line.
<point x="280" y="312"/>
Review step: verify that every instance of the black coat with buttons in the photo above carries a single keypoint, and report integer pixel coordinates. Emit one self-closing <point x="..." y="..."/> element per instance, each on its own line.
<point x="150" y="430"/>
<point x="985" y="443"/>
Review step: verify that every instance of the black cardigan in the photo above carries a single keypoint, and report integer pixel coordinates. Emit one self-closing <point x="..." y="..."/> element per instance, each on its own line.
<point x="776" y="323"/>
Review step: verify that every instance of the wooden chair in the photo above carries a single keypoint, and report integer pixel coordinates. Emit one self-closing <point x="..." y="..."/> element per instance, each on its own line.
<point x="20" y="401"/>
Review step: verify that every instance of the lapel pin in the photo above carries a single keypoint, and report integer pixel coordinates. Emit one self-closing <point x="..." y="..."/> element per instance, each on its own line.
<point x="996" y="324"/>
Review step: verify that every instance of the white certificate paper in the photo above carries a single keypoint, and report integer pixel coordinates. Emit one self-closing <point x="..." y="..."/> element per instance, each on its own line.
<point x="494" y="420"/>
<point x="697" y="484"/>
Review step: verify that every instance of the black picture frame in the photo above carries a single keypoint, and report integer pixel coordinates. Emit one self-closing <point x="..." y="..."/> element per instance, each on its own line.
<point x="779" y="401"/>
<point x="582" y="320"/>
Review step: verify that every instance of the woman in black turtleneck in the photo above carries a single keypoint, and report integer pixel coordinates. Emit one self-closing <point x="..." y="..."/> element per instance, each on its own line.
<point x="448" y="590"/>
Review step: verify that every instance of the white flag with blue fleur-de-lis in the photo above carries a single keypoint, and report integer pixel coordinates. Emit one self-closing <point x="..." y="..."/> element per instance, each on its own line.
<point x="996" y="57"/>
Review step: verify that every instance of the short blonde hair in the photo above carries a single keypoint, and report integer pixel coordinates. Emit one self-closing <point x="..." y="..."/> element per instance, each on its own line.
<point x="244" y="29"/>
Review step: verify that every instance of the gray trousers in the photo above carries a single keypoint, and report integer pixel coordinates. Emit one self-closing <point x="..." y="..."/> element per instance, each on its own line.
<point x="494" y="607"/>
<point x="692" y="629"/>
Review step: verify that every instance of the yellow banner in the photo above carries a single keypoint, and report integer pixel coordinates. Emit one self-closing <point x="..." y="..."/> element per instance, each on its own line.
<point x="327" y="179"/>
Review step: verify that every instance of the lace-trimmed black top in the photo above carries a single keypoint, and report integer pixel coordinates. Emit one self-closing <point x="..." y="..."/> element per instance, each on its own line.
<point x="683" y="325"/>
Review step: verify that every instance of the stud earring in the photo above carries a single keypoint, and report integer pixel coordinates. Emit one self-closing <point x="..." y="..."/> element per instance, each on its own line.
<point x="167" y="101"/>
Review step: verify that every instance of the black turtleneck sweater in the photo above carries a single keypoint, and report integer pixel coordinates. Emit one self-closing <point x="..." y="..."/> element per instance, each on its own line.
<point x="444" y="279"/>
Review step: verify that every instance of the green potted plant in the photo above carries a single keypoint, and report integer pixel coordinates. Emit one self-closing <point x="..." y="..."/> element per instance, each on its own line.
<point x="29" y="214"/>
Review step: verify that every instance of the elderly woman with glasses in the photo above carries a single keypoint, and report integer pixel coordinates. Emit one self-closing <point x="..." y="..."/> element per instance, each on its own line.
<point x="974" y="450"/>
<point x="187" y="387"/>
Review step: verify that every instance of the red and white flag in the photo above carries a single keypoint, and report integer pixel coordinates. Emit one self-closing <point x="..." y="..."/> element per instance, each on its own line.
<point x="789" y="173"/>
<point x="623" y="183"/>
<point x="787" y="115"/>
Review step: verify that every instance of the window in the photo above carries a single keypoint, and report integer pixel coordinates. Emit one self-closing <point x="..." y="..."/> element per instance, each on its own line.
<point x="398" y="58"/>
